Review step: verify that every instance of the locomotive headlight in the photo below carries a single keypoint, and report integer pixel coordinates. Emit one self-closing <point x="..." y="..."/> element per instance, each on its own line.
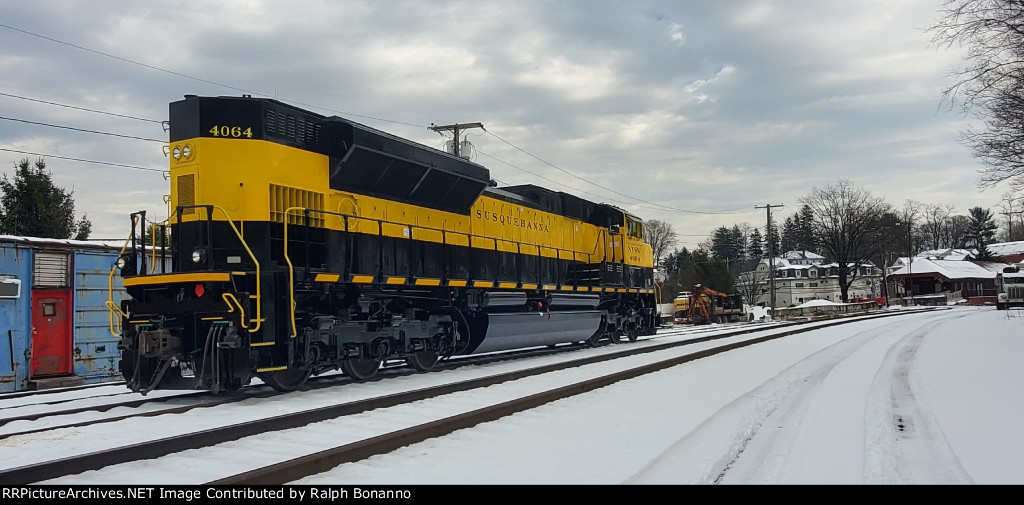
<point x="176" y="153"/>
<point x="186" y="152"/>
<point x="125" y="264"/>
<point x="198" y="256"/>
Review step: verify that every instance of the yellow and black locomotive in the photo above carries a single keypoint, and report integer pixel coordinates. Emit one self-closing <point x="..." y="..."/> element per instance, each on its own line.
<point x="302" y="244"/>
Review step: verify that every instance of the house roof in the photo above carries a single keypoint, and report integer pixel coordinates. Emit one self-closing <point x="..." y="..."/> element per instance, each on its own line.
<point x="947" y="254"/>
<point x="951" y="269"/>
<point x="802" y="255"/>
<point x="1007" y="248"/>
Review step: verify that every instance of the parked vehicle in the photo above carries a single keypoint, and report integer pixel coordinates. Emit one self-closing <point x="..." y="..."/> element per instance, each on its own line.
<point x="1010" y="288"/>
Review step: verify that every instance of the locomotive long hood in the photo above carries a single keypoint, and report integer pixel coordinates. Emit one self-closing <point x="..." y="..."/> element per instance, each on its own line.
<point x="360" y="159"/>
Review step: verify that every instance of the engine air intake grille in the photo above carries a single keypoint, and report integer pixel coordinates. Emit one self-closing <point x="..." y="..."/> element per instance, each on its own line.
<point x="283" y="197"/>
<point x="187" y="192"/>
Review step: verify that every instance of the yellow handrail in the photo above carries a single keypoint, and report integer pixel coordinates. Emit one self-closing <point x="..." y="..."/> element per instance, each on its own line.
<point x="291" y="271"/>
<point x="228" y="298"/>
<point x="111" y="306"/>
<point x="259" y="281"/>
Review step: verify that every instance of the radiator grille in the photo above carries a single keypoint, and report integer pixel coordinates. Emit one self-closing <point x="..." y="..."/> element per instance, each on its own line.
<point x="284" y="197"/>
<point x="187" y="192"/>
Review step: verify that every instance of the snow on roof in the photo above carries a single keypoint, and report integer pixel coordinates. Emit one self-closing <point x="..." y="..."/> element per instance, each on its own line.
<point x="802" y="255"/>
<point x="948" y="254"/>
<point x="952" y="269"/>
<point x="1007" y="248"/>
<point x="102" y="244"/>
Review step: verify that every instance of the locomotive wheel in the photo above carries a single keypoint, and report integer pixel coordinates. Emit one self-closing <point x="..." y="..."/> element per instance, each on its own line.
<point x="360" y="369"/>
<point x="423" y="361"/>
<point x="286" y="380"/>
<point x="632" y="334"/>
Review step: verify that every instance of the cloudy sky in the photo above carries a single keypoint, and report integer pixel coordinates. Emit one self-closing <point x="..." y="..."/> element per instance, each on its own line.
<point x="684" y="111"/>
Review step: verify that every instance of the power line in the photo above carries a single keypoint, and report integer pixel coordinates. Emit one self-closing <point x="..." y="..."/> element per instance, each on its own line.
<point x="82" y="130"/>
<point x="82" y="108"/>
<point x="251" y="92"/>
<point x="664" y="207"/>
<point x="82" y="160"/>
<point x="186" y="76"/>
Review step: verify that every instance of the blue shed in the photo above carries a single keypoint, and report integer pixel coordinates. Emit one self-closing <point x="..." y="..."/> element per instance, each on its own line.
<point x="55" y="329"/>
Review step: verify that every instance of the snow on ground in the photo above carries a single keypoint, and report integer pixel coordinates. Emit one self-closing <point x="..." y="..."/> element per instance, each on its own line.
<point x="930" y="398"/>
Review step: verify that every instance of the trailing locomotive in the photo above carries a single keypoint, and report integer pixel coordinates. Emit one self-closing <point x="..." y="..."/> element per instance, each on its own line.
<point x="302" y="244"/>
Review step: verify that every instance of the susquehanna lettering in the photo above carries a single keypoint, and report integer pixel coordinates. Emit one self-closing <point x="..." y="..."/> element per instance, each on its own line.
<point x="511" y="221"/>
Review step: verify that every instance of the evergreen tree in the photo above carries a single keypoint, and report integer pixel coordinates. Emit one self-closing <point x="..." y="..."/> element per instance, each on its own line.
<point x="32" y="205"/>
<point x="728" y="244"/>
<point x="755" y="249"/>
<point x="790" y="234"/>
<point x="806" y="240"/>
<point x="982" y="231"/>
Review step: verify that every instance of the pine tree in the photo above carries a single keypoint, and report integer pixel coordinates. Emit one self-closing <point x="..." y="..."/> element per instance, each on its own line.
<point x="982" y="231"/>
<point x="806" y="240"/>
<point x="790" y="234"/>
<point x="32" y="205"/>
<point x="755" y="248"/>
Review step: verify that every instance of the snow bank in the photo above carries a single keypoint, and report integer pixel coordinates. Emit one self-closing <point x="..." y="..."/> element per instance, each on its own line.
<point x="817" y="303"/>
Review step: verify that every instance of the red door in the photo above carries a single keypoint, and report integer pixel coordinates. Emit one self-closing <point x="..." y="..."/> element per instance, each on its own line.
<point x="51" y="332"/>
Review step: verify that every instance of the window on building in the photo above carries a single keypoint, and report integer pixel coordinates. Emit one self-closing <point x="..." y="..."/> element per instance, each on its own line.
<point x="813" y="284"/>
<point x="800" y="285"/>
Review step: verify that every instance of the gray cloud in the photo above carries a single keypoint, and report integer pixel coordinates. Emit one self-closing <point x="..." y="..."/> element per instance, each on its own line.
<point x="711" y="107"/>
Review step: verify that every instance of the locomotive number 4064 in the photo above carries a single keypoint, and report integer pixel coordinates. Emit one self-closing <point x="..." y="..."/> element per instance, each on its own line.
<point x="231" y="131"/>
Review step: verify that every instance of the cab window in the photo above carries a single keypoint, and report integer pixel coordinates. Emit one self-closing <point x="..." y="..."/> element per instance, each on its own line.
<point x="634" y="228"/>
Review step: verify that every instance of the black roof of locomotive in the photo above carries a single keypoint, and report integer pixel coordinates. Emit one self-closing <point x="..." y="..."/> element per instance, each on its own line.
<point x="362" y="159"/>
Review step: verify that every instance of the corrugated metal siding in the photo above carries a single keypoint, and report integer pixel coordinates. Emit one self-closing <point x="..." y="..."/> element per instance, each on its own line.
<point x="50" y="270"/>
<point x="15" y="320"/>
<point x="95" y="349"/>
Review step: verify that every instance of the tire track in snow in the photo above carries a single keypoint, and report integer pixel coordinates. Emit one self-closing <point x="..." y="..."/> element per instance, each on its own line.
<point x="749" y="427"/>
<point x="921" y="453"/>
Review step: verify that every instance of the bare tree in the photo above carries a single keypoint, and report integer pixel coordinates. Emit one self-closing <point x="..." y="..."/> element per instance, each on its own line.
<point x="660" y="236"/>
<point x="1012" y="206"/>
<point x="845" y="217"/>
<point x="958" y="231"/>
<point x="991" y="83"/>
<point x="936" y="220"/>
<point x="908" y="218"/>
<point x="749" y="285"/>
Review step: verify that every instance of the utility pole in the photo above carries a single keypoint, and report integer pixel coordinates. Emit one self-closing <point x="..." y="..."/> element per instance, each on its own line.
<point x="456" y="130"/>
<point x="910" y="260"/>
<point x="771" y="254"/>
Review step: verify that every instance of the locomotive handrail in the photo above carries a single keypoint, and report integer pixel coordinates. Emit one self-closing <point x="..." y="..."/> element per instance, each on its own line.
<point x="111" y="306"/>
<point x="259" y="281"/>
<point x="306" y="211"/>
<point x="291" y="268"/>
<point x="228" y="298"/>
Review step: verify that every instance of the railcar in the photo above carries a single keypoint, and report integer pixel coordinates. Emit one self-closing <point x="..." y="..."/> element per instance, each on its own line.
<point x="302" y="244"/>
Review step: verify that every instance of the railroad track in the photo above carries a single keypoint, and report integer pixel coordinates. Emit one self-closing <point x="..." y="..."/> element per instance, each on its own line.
<point x="384" y="442"/>
<point x="25" y="419"/>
